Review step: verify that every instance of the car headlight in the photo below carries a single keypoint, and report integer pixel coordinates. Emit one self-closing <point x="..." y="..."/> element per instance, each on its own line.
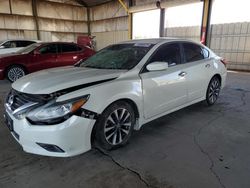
<point x="56" y="112"/>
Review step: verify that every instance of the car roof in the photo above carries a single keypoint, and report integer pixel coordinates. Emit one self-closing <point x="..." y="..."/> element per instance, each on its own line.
<point x="58" y="42"/>
<point x="7" y="40"/>
<point x="158" y="40"/>
<point x="20" y="40"/>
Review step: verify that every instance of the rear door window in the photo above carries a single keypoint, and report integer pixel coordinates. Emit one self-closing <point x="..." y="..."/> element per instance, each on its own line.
<point x="65" y="48"/>
<point x="192" y="52"/>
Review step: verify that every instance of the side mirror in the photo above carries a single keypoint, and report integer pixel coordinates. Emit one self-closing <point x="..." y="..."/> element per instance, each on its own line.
<point x="78" y="63"/>
<point x="157" y="66"/>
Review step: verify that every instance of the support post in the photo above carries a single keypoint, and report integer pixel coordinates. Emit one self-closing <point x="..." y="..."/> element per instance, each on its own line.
<point x="10" y="6"/>
<point x="162" y="22"/>
<point x="206" y="15"/>
<point x="34" y="10"/>
<point x="129" y="19"/>
<point x="88" y="21"/>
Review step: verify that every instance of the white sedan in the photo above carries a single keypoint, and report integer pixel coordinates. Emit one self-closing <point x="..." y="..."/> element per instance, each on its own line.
<point x="13" y="45"/>
<point x="63" y="111"/>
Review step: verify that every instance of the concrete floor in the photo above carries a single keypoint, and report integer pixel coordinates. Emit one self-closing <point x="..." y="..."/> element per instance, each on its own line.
<point x="197" y="147"/>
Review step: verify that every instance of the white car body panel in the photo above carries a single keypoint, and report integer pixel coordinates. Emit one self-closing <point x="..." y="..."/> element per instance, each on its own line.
<point x="154" y="94"/>
<point x="55" y="79"/>
<point x="163" y="90"/>
<point x="9" y="50"/>
<point x="30" y="135"/>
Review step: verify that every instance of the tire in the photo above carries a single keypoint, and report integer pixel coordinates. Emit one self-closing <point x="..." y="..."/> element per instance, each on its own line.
<point x="114" y="127"/>
<point x="15" y="72"/>
<point x="213" y="90"/>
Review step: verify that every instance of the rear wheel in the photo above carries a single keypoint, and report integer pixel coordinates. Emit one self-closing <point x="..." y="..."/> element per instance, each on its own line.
<point x="15" y="72"/>
<point x="213" y="90"/>
<point x="115" y="126"/>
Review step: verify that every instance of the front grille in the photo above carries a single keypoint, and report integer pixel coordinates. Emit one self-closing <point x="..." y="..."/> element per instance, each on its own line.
<point x="17" y="99"/>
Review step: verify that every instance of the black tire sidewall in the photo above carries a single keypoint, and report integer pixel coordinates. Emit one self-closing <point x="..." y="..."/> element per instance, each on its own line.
<point x="100" y="140"/>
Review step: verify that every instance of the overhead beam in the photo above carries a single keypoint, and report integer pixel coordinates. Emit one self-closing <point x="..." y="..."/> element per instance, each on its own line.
<point x="164" y="4"/>
<point x="206" y="16"/>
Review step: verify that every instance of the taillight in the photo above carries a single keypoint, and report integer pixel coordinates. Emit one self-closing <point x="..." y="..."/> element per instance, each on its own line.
<point x="224" y="62"/>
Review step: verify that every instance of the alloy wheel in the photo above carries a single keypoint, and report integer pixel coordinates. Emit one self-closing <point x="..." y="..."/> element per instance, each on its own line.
<point x="214" y="90"/>
<point x="117" y="126"/>
<point x="15" y="73"/>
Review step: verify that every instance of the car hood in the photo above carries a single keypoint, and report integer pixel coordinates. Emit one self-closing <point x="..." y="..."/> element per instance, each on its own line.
<point x="56" y="79"/>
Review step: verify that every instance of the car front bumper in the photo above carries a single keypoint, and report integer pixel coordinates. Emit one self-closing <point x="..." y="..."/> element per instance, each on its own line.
<point x="70" y="138"/>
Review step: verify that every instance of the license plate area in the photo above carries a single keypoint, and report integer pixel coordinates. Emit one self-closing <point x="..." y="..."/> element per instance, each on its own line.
<point x="8" y="121"/>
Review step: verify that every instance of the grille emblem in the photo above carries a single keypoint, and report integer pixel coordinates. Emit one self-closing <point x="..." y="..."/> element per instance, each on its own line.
<point x="11" y="100"/>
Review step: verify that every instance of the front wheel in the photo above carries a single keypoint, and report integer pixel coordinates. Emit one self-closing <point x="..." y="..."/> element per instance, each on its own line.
<point x="15" y="72"/>
<point x="115" y="126"/>
<point x="213" y="90"/>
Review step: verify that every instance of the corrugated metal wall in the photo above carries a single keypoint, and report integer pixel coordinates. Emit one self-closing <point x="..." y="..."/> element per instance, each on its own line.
<point x="12" y="23"/>
<point x="191" y="32"/>
<point x="109" y="23"/>
<point x="57" y="20"/>
<point x="232" y="41"/>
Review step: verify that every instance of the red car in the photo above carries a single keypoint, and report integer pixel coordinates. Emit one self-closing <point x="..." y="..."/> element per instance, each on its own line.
<point x="40" y="56"/>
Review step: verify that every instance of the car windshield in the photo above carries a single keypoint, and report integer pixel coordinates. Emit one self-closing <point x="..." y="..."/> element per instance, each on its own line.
<point x="119" y="56"/>
<point x="1" y="42"/>
<point x="28" y="49"/>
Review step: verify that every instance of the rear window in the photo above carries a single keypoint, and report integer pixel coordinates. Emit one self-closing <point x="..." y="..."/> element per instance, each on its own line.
<point x="205" y="53"/>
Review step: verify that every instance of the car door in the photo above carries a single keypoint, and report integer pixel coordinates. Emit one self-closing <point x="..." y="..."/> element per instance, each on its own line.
<point x="196" y="66"/>
<point x="44" y="57"/>
<point x="69" y="54"/>
<point x="164" y="90"/>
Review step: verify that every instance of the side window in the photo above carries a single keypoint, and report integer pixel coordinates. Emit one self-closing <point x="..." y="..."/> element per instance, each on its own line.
<point x="10" y="44"/>
<point x="193" y="52"/>
<point x="48" y="49"/>
<point x="169" y="53"/>
<point x="79" y="48"/>
<point x="205" y="53"/>
<point x="24" y="43"/>
<point x="68" y="48"/>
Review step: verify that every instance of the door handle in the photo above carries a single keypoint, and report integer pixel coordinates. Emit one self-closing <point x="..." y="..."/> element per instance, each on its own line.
<point x="182" y="74"/>
<point x="207" y="65"/>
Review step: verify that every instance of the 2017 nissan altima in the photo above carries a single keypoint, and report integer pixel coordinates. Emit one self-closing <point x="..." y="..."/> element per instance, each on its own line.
<point x="60" y="111"/>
